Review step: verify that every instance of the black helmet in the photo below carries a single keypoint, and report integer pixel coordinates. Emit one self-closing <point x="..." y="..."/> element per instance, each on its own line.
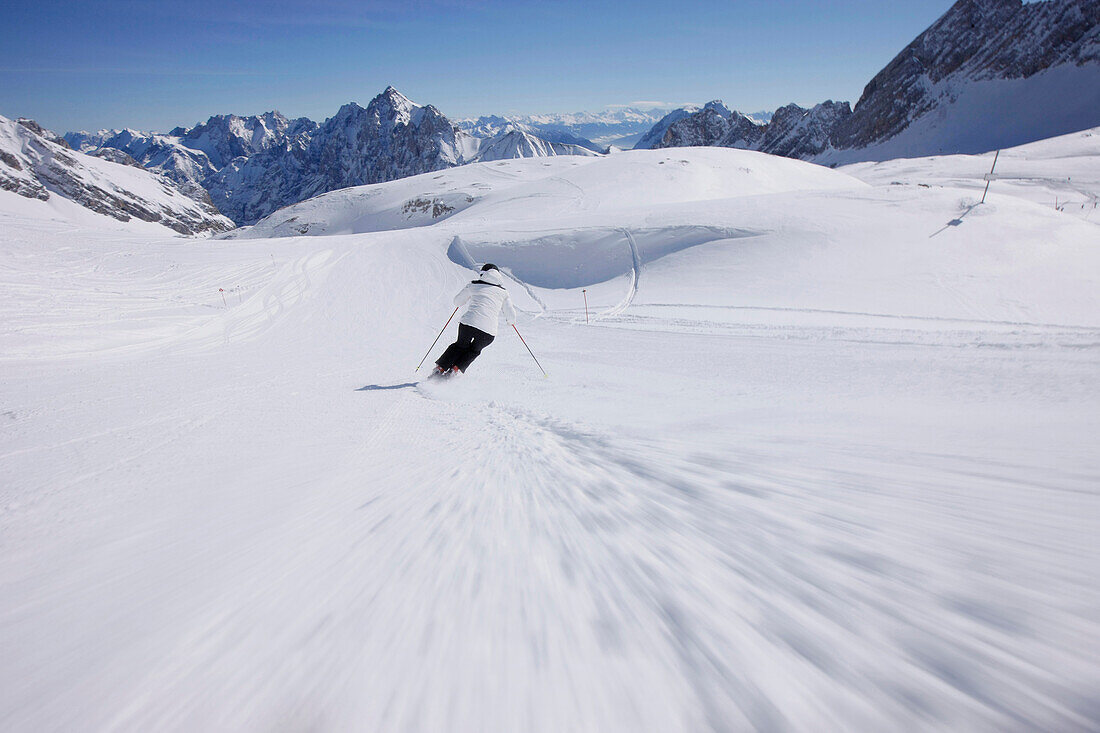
<point x="489" y="266"/>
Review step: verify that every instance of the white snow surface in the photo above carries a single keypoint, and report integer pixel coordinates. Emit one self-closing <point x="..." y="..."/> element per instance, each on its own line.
<point x="821" y="456"/>
<point x="1061" y="173"/>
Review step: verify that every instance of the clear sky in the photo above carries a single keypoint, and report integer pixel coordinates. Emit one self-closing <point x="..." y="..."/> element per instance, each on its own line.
<point x="152" y="65"/>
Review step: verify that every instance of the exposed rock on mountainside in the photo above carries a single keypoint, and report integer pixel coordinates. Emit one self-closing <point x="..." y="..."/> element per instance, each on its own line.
<point x="652" y="139"/>
<point x="37" y="164"/>
<point x="116" y="156"/>
<point x="391" y="138"/>
<point x="794" y="132"/>
<point x="161" y="153"/>
<point x="712" y="125"/>
<point x="988" y="74"/>
<point x="979" y="41"/>
<point x="225" y="137"/>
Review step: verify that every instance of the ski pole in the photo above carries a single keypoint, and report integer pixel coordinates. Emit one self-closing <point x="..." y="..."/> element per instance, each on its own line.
<point x="436" y="339"/>
<point x="529" y="349"/>
<point x="585" y="292"/>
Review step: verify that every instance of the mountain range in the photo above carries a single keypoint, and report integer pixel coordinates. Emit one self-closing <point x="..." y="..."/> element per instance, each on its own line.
<point x="987" y="74"/>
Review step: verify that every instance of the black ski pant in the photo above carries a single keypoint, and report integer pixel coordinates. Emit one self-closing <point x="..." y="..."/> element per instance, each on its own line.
<point x="465" y="349"/>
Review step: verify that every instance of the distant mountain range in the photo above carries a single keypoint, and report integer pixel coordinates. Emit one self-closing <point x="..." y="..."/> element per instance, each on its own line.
<point x="621" y="127"/>
<point x="988" y="74"/>
<point x="251" y="166"/>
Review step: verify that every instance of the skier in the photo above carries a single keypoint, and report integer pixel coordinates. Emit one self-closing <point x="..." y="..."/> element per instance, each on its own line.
<point x="477" y="328"/>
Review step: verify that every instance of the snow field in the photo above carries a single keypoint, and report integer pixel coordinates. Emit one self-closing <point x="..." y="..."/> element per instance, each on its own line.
<point x="836" y="475"/>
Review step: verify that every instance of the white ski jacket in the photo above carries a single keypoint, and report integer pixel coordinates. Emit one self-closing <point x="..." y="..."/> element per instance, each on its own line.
<point x="488" y="301"/>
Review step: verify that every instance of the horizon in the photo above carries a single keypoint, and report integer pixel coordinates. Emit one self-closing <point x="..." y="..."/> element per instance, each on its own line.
<point x="114" y="67"/>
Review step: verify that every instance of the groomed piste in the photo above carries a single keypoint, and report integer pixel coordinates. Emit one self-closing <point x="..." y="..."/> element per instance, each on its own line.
<point x="816" y="452"/>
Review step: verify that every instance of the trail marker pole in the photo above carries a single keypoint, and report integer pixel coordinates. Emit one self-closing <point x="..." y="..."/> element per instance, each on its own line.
<point x="437" y="339"/>
<point x="222" y="291"/>
<point x="989" y="177"/>
<point x="529" y="349"/>
<point x="584" y="291"/>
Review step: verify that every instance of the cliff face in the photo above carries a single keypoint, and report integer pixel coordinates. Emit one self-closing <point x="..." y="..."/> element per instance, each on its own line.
<point x="975" y="41"/>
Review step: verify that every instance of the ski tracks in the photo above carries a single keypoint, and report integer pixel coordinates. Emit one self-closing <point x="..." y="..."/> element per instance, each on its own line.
<point x="635" y="277"/>
<point x="630" y="583"/>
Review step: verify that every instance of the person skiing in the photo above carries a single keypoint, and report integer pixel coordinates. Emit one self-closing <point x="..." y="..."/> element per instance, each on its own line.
<point x="477" y="328"/>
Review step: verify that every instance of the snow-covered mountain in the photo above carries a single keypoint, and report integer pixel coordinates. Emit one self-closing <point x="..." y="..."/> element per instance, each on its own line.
<point x="485" y="128"/>
<point x="225" y="137"/>
<point x="188" y="167"/>
<point x="792" y="131"/>
<point x="652" y="138"/>
<point x="512" y="143"/>
<point x="38" y="164"/>
<point x="251" y="166"/>
<point x="988" y="74"/>
<point x="392" y="137"/>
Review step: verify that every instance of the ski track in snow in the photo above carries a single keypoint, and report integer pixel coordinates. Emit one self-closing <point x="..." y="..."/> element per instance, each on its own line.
<point x="529" y="571"/>
<point x="721" y="516"/>
<point x="635" y="278"/>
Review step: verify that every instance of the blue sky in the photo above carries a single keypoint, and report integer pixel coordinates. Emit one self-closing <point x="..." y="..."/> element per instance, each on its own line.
<point x="154" y="65"/>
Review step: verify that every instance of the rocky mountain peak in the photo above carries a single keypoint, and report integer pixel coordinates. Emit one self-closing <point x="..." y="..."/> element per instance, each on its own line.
<point x="37" y="129"/>
<point x="392" y="106"/>
<point x="717" y="106"/>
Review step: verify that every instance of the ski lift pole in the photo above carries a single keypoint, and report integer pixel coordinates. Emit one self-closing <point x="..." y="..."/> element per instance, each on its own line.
<point x="989" y="177"/>
<point x="437" y="339"/>
<point x="529" y="350"/>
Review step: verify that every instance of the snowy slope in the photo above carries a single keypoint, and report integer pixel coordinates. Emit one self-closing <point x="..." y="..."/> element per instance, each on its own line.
<point x="1061" y="173"/>
<point x="161" y="153"/>
<point x="566" y="185"/>
<point x="818" y="460"/>
<point x="38" y="165"/>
